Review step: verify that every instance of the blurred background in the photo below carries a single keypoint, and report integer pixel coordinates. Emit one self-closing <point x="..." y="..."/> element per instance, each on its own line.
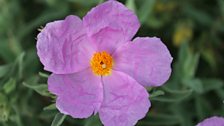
<point x="192" y="30"/>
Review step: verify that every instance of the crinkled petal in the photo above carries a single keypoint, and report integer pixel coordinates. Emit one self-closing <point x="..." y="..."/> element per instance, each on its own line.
<point x="146" y="59"/>
<point x="212" y="121"/>
<point x="110" y="24"/>
<point x="79" y="94"/>
<point x="108" y="40"/>
<point x="114" y="15"/>
<point x="63" y="46"/>
<point x="125" y="101"/>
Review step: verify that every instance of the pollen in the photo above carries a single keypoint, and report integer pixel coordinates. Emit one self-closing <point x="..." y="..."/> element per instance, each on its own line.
<point x="101" y="63"/>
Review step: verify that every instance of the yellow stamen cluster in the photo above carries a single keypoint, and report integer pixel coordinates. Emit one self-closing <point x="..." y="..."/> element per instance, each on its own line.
<point x="101" y="63"/>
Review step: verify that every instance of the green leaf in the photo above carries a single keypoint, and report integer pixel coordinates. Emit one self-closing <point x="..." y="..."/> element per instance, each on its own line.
<point x="93" y="121"/>
<point x="198" y="15"/>
<point x="131" y="5"/>
<point x="18" y="117"/>
<point x="20" y="64"/>
<point x="3" y="98"/>
<point x="44" y="75"/>
<point x="157" y="93"/>
<point x="17" y="67"/>
<point x="154" y="22"/>
<point x="173" y="95"/>
<point x="195" y="84"/>
<point x="50" y="107"/>
<point x="187" y="64"/>
<point x="9" y="47"/>
<point x="39" y="88"/>
<point x="32" y="79"/>
<point x="203" y="109"/>
<point x="4" y="108"/>
<point x="58" y="119"/>
<point x="190" y="65"/>
<point x="211" y="84"/>
<point x="188" y="61"/>
<point x="4" y="113"/>
<point x="183" y="114"/>
<point x="31" y="63"/>
<point x="4" y="70"/>
<point x="10" y="85"/>
<point x="145" y="10"/>
<point x="160" y="119"/>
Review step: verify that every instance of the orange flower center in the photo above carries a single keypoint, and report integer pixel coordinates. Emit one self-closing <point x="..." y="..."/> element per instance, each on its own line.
<point x="101" y="63"/>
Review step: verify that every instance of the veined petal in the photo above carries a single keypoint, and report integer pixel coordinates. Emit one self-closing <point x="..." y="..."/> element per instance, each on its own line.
<point x="110" y="24"/>
<point x="79" y="94"/>
<point x="125" y="101"/>
<point x="108" y="40"/>
<point x="63" y="46"/>
<point x="146" y="59"/>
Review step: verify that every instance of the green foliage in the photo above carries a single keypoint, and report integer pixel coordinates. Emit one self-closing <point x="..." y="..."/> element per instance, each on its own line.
<point x="50" y="107"/>
<point x="9" y="86"/>
<point x="192" y="30"/>
<point x="93" y="121"/>
<point x="39" y="88"/>
<point x="4" y="110"/>
<point x="58" y="119"/>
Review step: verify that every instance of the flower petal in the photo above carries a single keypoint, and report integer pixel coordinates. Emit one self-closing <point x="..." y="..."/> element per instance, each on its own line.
<point x="79" y="94"/>
<point x="111" y="24"/>
<point x="108" y="40"/>
<point x="125" y="101"/>
<point x="63" y="46"/>
<point x="212" y="121"/>
<point x="146" y="59"/>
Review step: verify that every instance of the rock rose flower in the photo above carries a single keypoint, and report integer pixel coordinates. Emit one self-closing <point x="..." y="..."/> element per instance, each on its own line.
<point x="97" y="67"/>
<point x="212" y="121"/>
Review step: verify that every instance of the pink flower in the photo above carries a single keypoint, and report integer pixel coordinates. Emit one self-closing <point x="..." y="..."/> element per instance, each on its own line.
<point x="212" y="121"/>
<point x="98" y="69"/>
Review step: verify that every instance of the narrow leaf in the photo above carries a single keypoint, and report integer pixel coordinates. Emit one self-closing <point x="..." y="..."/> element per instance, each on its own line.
<point x="93" y="121"/>
<point x="173" y="95"/>
<point x="195" y="84"/>
<point x="44" y="75"/>
<point x="160" y="119"/>
<point x="146" y="10"/>
<point x="9" y="85"/>
<point x="211" y="84"/>
<point x="157" y="93"/>
<point x="50" y="107"/>
<point x="40" y="88"/>
<point x="131" y="5"/>
<point x="4" y="70"/>
<point x="58" y="119"/>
